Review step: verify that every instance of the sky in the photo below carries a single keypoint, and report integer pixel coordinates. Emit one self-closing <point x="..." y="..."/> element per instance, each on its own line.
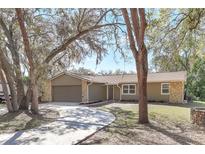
<point x="110" y="62"/>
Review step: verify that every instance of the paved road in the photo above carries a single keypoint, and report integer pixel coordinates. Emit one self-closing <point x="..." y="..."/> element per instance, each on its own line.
<point x="75" y="123"/>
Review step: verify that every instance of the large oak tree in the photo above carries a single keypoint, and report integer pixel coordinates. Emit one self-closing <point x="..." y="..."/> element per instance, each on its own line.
<point x="136" y="24"/>
<point x="29" y="54"/>
<point x="12" y="46"/>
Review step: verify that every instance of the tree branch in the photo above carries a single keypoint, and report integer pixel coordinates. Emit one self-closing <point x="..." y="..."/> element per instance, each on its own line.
<point x="103" y="15"/>
<point x="5" y="29"/>
<point x="142" y="27"/>
<point x="25" y="37"/>
<point x="129" y="31"/>
<point x="81" y="19"/>
<point x="136" y="26"/>
<point x="70" y="40"/>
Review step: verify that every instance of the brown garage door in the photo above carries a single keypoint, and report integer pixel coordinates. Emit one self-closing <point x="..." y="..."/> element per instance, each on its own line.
<point x="67" y="93"/>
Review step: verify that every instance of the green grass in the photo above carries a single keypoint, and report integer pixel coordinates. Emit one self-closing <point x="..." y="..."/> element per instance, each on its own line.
<point x="173" y="113"/>
<point x="169" y="124"/>
<point x="199" y="102"/>
<point x="167" y="115"/>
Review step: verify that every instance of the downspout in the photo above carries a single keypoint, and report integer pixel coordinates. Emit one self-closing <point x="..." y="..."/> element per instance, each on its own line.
<point x="88" y="91"/>
<point x="120" y="91"/>
<point x="107" y="92"/>
<point x="113" y="92"/>
<point x="120" y="87"/>
<point x="183" y="91"/>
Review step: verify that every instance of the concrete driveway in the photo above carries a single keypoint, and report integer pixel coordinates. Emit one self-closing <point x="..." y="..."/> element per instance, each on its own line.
<point x="75" y="123"/>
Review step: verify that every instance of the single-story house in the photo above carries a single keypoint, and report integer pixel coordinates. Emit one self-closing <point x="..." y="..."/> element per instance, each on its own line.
<point x="69" y="87"/>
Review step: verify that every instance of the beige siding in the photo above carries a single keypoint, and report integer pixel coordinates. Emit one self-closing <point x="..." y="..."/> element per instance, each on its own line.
<point x="154" y="92"/>
<point x="129" y="97"/>
<point x="110" y="92"/>
<point x="116" y="93"/>
<point x="65" y="80"/>
<point x="97" y="92"/>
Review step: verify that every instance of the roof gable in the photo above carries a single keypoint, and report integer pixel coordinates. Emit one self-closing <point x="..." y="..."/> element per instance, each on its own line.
<point x="69" y="74"/>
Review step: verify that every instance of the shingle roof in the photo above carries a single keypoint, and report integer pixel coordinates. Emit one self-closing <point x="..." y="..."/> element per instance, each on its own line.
<point x="132" y="78"/>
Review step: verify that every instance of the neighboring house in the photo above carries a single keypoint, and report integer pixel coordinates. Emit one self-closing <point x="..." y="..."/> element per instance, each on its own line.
<point x="68" y="87"/>
<point x="1" y="91"/>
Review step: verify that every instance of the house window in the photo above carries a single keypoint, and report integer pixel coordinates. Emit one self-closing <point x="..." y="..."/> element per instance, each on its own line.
<point x="165" y="88"/>
<point x="129" y="89"/>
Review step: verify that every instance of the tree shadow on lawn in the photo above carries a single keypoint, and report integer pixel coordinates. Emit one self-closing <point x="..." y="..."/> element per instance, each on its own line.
<point x="23" y="120"/>
<point x="126" y="130"/>
<point x="45" y="116"/>
<point x="176" y="137"/>
<point x="9" y="116"/>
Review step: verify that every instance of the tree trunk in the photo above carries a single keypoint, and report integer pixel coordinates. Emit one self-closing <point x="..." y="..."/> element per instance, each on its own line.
<point x="19" y="85"/>
<point x="6" y="91"/>
<point x="8" y="31"/>
<point x="136" y="27"/>
<point x="29" y="54"/>
<point x="142" y="69"/>
<point x="34" y="92"/>
<point x="12" y="87"/>
<point x="19" y="81"/>
<point x="19" y="78"/>
<point x="10" y="79"/>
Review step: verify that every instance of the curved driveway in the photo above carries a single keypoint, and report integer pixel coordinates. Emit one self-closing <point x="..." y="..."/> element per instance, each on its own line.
<point x="75" y="123"/>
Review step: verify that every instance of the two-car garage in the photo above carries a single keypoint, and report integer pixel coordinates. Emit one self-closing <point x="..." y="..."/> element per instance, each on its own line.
<point x="66" y="89"/>
<point x="71" y="93"/>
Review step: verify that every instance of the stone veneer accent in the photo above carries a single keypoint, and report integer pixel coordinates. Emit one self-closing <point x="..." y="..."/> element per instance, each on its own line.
<point x="84" y="91"/>
<point x="198" y="116"/>
<point x="47" y="96"/>
<point x="176" y="92"/>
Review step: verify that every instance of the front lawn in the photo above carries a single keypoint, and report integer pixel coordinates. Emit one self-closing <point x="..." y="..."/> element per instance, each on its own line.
<point x="169" y="124"/>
